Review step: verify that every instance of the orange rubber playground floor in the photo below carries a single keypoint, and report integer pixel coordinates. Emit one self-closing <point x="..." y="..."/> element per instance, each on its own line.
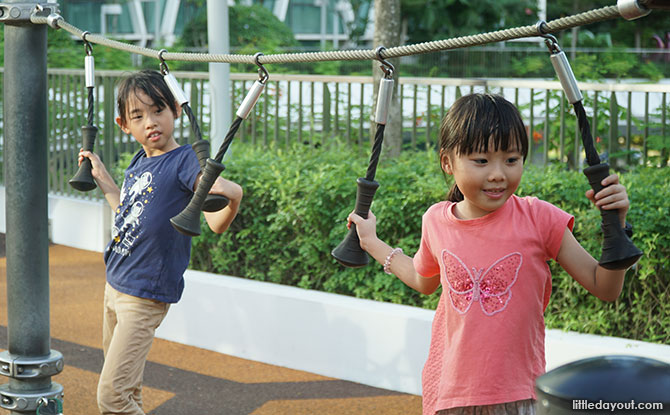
<point x="179" y="379"/>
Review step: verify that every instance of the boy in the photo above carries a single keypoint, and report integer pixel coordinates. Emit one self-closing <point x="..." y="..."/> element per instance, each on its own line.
<point x="146" y="258"/>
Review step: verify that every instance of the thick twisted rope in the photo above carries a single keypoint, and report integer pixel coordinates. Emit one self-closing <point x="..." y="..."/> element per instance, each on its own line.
<point x="557" y="25"/>
<point x="195" y="128"/>
<point x="376" y="152"/>
<point x="592" y="157"/>
<point x="91" y="101"/>
<point x="228" y="139"/>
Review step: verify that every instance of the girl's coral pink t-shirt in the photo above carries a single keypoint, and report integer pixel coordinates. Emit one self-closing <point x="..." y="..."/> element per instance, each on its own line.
<point x="487" y="344"/>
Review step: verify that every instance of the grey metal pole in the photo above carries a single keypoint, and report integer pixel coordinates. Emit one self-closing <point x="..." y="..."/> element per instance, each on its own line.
<point x="29" y="363"/>
<point x="219" y="73"/>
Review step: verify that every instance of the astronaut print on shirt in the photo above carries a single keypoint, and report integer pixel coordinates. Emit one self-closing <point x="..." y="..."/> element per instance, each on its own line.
<point x="136" y="193"/>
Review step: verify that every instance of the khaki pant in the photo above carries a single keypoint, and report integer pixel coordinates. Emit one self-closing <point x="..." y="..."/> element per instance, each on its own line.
<point x="128" y="328"/>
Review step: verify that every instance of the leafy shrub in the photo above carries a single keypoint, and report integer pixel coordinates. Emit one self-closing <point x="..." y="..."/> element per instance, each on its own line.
<point x="294" y="213"/>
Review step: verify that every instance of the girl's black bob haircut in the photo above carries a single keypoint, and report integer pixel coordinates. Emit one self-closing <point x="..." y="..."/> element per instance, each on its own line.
<point x="150" y="82"/>
<point x="473" y="120"/>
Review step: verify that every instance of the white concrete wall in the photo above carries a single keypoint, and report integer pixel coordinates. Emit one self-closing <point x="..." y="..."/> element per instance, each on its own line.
<point x="74" y="222"/>
<point x="378" y="344"/>
<point x="369" y="342"/>
<point x="364" y="341"/>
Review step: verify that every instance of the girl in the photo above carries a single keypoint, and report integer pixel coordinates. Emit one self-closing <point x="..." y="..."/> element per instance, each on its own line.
<point x="489" y="249"/>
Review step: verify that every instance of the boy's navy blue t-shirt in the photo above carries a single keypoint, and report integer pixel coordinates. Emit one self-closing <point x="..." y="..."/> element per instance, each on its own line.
<point x="147" y="257"/>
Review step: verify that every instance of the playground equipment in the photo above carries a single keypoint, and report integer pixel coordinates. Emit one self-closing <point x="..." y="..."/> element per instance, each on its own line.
<point x="605" y="384"/>
<point x="618" y="251"/>
<point x="29" y="361"/>
<point x="349" y="252"/>
<point x="83" y="180"/>
<point x="188" y="221"/>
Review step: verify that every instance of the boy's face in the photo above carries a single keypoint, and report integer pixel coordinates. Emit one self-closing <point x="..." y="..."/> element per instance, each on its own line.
<point x="150" y="125"/>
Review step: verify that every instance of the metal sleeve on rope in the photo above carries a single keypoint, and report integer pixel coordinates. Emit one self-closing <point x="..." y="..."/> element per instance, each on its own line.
<point x="250" y="100"/>
<point x="631" y="9"/>
<point x="568" y="81"/>
<point x="176" y="90"/>
<point x="53" y="19"/>
<point x="384" y="100"/>
<point x="89" y="69"/>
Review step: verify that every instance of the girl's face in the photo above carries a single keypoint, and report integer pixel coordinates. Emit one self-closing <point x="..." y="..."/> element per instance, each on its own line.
<point x="150" y="125"/>
<point x="486" y="180"/>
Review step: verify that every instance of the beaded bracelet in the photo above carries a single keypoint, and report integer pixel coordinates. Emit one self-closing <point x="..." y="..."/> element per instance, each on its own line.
<point x="387" y="262"/>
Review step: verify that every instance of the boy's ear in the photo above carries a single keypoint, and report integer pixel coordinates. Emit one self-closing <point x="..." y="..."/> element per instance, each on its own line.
<point x="123" y="127"/>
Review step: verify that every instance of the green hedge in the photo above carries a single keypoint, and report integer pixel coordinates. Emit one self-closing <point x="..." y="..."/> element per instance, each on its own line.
<point x="294" y="213"/>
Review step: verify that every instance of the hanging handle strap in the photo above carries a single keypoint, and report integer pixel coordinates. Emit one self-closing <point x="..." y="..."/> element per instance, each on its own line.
<point x="188" y="221"/>
<point x="618" y="251"/>
<point x="349" y="252"/>
<point x="83" y="178"/>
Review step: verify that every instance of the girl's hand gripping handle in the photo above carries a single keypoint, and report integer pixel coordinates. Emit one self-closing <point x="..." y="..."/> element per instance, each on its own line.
<point x="349" y="252"/>
<point x="618" y="251"/>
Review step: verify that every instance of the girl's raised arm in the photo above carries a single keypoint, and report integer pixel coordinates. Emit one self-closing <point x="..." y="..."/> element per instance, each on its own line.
<point x="603" y="283"/>
<point x="400" y="264"/>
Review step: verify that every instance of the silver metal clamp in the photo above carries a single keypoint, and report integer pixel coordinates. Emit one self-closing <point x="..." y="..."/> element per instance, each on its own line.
<point x="21" y="367"/>
<point x="21" y="12"/>
<point x="26" y="401"/>
<point x="631" y="9"/>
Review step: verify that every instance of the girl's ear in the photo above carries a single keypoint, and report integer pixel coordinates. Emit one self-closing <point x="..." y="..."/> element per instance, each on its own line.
<point x="123" y="127"/>
<point x="445" y="162"/>
<point x="178" y="114"/>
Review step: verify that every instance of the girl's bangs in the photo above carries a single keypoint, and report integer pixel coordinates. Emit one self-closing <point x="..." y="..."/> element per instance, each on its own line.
<point x="493" y="119"/>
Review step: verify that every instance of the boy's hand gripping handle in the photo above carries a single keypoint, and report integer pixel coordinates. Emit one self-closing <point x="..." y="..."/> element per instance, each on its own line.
<point x="349" y="252"/>
<point x="618" y="251"/>
<point x="188" y="221"/>
<point x="213" y="203"/>
<point x="83" y="179"/>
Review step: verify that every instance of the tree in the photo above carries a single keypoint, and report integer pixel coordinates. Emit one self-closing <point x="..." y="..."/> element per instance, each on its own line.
<point x="442" y="19"/>
<point x="387" y="34"/>
<point x="252" y="29"/>
<point x="629" y="34"/>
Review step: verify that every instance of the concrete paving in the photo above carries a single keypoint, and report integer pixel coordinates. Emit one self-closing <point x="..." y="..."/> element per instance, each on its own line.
<point x="181" y="379"/>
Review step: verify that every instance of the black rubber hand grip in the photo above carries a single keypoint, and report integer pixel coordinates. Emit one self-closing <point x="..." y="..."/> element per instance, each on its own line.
<point x="349" y="252"/>
<point x="83" y="179"/>
<point x="618" y="251"/>
<point x="213" y="203"/>
<point x="188" y="221"/>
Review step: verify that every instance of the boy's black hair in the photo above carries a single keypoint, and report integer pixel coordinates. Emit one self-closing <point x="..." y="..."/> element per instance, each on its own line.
<point x="150" y="82"/>
<point x="475" y="119"/>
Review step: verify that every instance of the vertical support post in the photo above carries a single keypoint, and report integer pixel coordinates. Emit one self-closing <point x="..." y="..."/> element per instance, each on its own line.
<point x="25" y="172"/>
<point x="219" y="73"/>
<point x="28" y="362"/>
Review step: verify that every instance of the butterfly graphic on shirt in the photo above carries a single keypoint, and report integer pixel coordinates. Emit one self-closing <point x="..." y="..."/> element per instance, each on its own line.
<point x="491" y="287"/>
